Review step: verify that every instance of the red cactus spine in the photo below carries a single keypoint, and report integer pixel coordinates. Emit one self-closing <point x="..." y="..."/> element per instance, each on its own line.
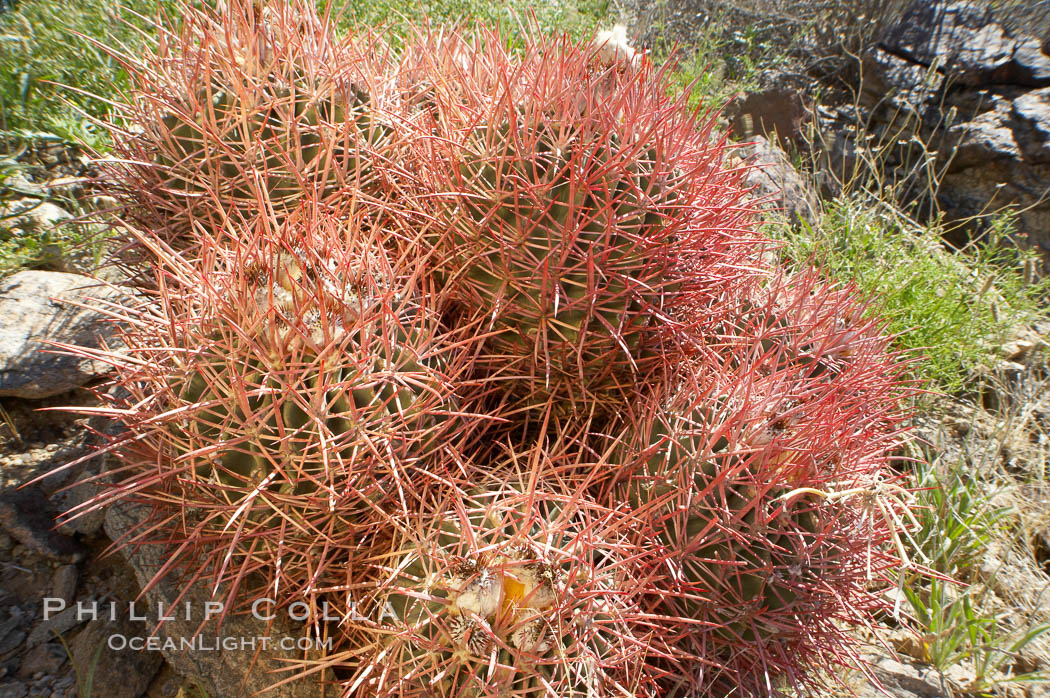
<point x="293" y="392"/>
<point x="583" y="211"/>
<point x="764" y="481"/>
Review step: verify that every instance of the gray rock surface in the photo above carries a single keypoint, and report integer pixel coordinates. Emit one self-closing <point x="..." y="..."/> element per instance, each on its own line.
<point x="222" y="672"/>
<point x="978" y="96"/>
<point x="960" y="40"/>
<point x="13" y="689"/>
<point x="53" y="626"/>
<point x="64" y="584"/>
<point x="46" y="658"/>
<point x="1031" y="111"/>
<point x="776" y="184"/>
<point x="38" y="306"/>
<point x="12" y="629"/>
<point x="122" y="673"/>
<point x="902" y="680"/>
<point x="26" y="516"/>
<point x="30" y="215"/>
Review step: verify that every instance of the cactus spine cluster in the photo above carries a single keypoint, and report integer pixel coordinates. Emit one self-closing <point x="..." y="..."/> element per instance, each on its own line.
<point x="250" y="110"/>
<point x="490" y="351"/>
<point x="502" y="590"/>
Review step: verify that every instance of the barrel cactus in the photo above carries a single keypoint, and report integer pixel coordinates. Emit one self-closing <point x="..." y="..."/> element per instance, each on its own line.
<point x="543" y="416"/>
<point x="583" y="212"/>
<point x="283" y="395"/>
<point x="505" y="589"/>
<point x="239" y="114"/>
<point x="765" y="479"/>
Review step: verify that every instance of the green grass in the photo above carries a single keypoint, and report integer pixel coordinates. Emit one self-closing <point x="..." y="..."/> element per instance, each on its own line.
<point x="39" y="47"/>
<point x="40" y="51"/>
<point x="957" y="522"/>
<point x="576" y="17"/>
<point x="720" y="65"/>
<point x="47" y="73"/>
<point x="955" y="309"/>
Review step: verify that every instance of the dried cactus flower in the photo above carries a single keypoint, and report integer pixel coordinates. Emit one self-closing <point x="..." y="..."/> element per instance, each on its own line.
<point x="502" y="590"/>
<point x="613" y="48"/>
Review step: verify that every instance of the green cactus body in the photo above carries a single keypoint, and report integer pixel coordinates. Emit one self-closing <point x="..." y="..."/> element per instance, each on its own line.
<point x="741" y="548"/>
<point x="287" y="138"/>
<point x="549" y="243"/>
<point x="486" y="606"/>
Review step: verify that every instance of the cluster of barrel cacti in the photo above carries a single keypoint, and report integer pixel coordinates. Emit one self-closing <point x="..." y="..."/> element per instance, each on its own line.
<point x="482" y="346"/>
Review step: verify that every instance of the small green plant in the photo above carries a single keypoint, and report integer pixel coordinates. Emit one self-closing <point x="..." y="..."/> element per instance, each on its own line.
<point x="955" y="309"/>
<point x="993" y="651"/>
<point x="52" y="249"/>
<point x="722" y="64"/>
<point x="85" y="675"/>
<point x="954" y="631"/>
<point x="956" y="523"/>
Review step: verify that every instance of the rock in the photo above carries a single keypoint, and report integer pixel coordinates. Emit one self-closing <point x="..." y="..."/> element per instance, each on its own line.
<point x="67" y="501"/>
<point x="1010" y="370"/>
<point x="1032" y="62"/>
<point x="12" y="633"/>
<point x="776" y="184"/>
<point x="891" y="82"/>
<point x="777" y="114"/>
<point x="1018" y="349"/>
<point x="25" y="516"/>
<point x="18" y="183"/>
<point x="30" y="216"/>
<point x="13" y="689"/>
<point x="46" y="658"/>
<point x="64" y="688"/>
<point x="103" y="203"/>
<point x="168" y="684"/>
<point x="135" y="669"/>
<point x="68" y="187"/>
<point x="904" y="680"/>
<point x="12" y="641"/>
<point x="64" y="584"/>
<point x="222" y="672"/>
<point x="1032" y="114"/>
<point x="960" y="40"/>
<point x="978" y="97"/>
<point x="55" y="625"/>
<point x="37" y="306"/>
<point x="87" y="482"/>
<point x="981" y="141"/>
